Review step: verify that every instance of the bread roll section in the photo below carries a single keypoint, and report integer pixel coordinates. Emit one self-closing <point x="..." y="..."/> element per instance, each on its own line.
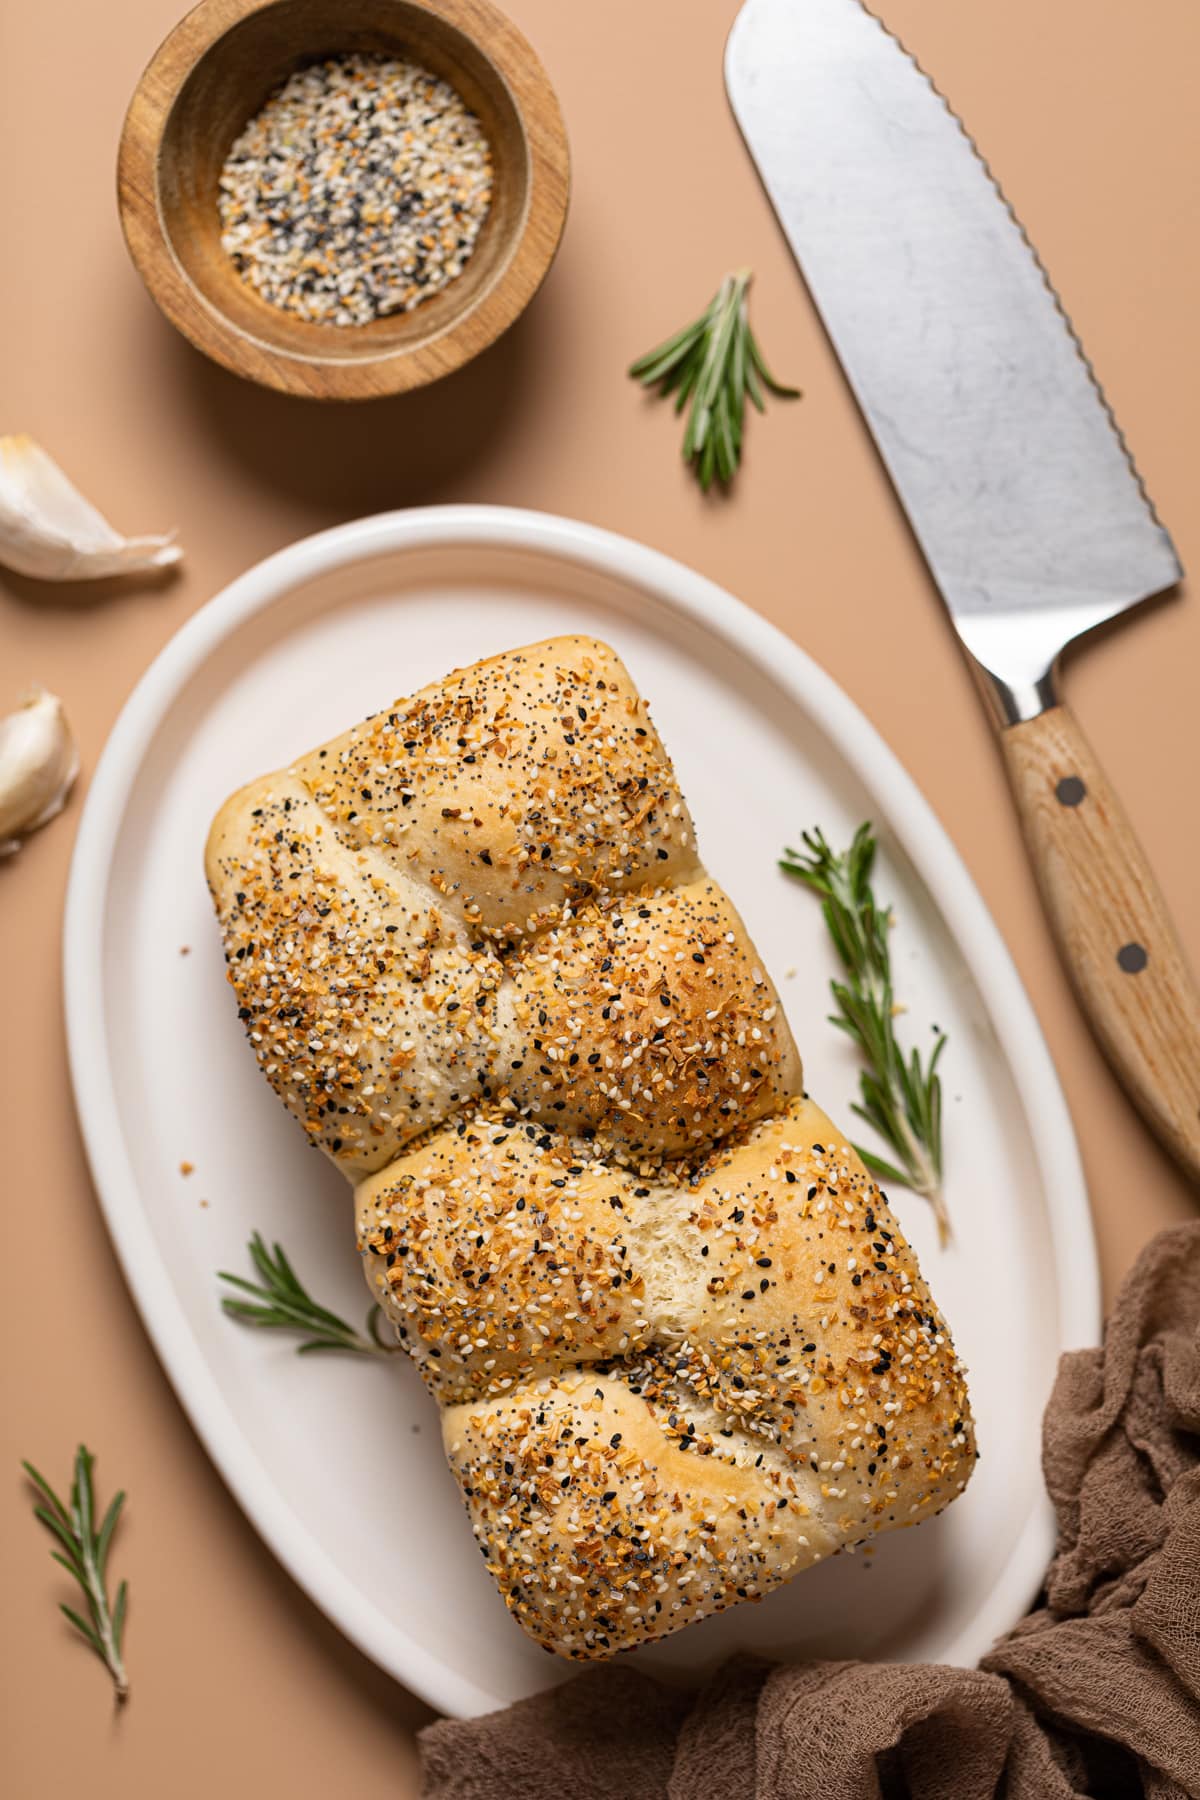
<point x="681" y="1346"/>
<point x="513" y="788"/>
<point x="370" y="1008"/>
<point x="663" y="1395"/>
<point x="649" y="1022"/>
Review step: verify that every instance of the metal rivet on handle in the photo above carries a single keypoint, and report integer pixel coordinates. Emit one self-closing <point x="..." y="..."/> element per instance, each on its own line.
<point x="1132" y="958"/>
<point x="1070" y="791"/>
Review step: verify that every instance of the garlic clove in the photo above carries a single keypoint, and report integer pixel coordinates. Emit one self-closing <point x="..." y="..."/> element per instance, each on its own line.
<point x="48" y="529"/>
<point x="38" y="766"/>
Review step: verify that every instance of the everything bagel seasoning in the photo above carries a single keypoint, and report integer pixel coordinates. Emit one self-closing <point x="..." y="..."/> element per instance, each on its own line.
<point x="357" y="190"/>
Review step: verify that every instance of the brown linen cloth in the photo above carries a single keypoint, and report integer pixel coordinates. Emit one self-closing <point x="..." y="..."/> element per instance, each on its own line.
<point x="1096" y="1693"/>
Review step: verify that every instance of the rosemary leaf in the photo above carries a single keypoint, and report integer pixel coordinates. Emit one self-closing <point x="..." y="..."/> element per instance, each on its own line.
<point x="284" y="1304"/>
<point x="84" y="1630"/>
<point x="712" y="365"/>
<point x="106" y="1530"/>
<point x="900" y="1096"/>
<point x="63" y="1532"/>
<point x="85" y="1560"/>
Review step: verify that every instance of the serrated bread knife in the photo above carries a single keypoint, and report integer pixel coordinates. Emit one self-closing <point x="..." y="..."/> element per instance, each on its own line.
<point x="1007" y="461"/>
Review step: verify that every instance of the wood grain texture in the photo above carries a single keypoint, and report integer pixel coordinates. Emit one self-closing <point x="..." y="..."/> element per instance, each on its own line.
<point x="1112" y="925"/>
<point x="213" y="73"/>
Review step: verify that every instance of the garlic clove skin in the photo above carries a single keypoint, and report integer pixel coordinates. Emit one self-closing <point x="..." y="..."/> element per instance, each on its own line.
<point x="38" y="766"/>
<point x="48" y="529"/>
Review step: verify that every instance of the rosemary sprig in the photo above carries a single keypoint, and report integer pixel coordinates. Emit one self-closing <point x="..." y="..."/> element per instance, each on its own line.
<point x="713" y="364"/>
<point x="901" y="1096"/>
<point x="83" y="1553"/>
<point x="282" y="1303"/>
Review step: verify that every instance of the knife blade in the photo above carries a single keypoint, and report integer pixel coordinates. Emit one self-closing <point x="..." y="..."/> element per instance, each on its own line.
<point x="1007" y="460"/>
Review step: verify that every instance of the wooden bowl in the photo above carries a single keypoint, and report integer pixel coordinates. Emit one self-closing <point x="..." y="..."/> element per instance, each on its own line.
<point x="213" y="73"/>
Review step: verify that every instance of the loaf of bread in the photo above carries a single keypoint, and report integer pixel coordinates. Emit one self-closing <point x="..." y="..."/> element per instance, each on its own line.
<point x="681" y="1347"/>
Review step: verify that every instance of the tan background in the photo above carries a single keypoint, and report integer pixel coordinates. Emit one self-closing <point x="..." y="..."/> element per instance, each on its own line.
<point x="1087" y="109"/>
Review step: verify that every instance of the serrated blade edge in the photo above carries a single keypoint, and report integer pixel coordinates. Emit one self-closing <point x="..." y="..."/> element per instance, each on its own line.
<point x="1009" y="459"/>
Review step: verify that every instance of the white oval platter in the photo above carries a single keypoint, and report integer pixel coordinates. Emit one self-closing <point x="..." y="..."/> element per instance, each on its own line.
<point x="336" y="1460"/>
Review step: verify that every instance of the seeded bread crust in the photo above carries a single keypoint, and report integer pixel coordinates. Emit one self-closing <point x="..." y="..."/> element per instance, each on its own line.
<point x="681" y="1346"/>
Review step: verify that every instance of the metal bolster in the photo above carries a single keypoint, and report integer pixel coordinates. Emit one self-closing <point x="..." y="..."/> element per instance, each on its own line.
<point x="1014" y="703"/>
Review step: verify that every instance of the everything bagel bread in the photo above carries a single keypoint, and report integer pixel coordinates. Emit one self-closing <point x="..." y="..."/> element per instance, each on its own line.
<point x="681" y="1348"/>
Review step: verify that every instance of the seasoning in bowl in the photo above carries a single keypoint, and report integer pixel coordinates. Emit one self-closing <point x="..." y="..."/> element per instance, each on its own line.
<point x="357" y="190"/>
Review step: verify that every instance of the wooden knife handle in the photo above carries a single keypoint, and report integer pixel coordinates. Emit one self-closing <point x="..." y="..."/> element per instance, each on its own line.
<point x="1112" y="925"/>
